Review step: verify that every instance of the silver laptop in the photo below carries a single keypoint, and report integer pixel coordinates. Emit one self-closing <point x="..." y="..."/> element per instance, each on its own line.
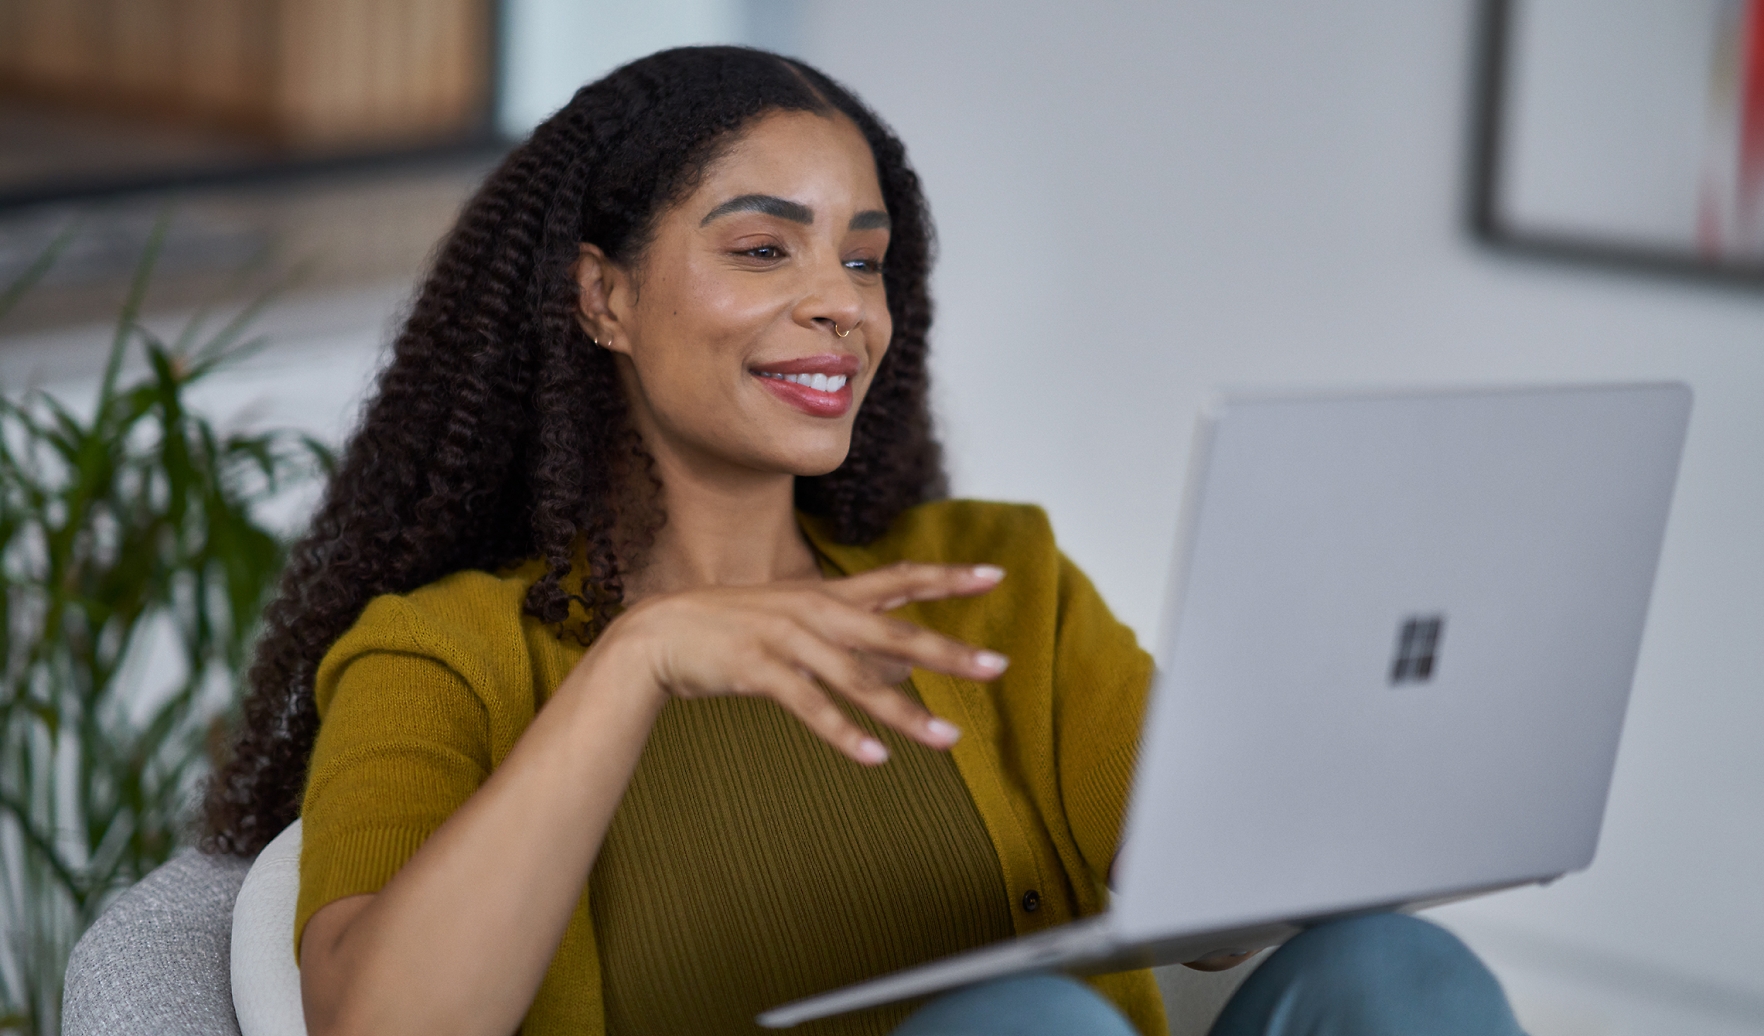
<point x="1395" y="657"/>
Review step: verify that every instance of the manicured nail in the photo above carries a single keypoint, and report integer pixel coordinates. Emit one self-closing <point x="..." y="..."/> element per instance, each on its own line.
<point x="991" y="661"/>
<point x="943" y="730"/>
<point x="990" y="573"/>
<point x="872" y="751"/>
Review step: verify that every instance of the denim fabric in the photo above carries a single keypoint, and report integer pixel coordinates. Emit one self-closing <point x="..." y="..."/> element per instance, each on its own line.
<point x="1379" y="975"/>
<point x="1022" y="1005"/>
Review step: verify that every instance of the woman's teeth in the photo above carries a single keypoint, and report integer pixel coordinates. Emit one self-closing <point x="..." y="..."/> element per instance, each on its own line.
<point x="818" y="382"/>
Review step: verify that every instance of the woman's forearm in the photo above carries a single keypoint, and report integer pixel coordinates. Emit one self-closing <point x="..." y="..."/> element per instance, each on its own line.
<point x="460" y="939"/>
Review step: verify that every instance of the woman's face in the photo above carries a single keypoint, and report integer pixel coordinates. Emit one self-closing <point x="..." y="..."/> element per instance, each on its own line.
<point x="753" y="323"/>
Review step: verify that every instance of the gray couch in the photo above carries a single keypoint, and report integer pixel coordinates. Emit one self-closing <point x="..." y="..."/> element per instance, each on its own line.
<point x="158" y="962"/>
<point x="160" y="959"/>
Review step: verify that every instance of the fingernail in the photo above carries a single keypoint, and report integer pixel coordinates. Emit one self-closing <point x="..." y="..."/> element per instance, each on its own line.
<point x="872" y="751"/>
<point x="991" y="661"/>
<point x="943" y="730"/>
<point x="990" y="573"/>
<point x="890" y="605"/>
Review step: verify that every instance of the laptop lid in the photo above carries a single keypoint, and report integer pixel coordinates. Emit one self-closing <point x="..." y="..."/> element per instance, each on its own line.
<point x="1397" y="649"/>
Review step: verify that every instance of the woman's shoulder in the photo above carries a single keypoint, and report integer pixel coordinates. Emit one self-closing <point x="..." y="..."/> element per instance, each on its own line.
<point x="952" y="532"/>
<point x="461" y="620"/>
<point x="472" y="594"/>
<point x="470" y="603"/>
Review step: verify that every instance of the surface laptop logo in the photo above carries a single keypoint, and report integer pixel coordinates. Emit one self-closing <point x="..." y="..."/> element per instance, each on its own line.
<point x="1417" y="649"/>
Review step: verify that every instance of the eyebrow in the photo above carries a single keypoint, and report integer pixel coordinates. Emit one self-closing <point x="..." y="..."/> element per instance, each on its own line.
<point x="870" y="219"/>
<point x="795" y="212"/>
<point x="769" y="204"/>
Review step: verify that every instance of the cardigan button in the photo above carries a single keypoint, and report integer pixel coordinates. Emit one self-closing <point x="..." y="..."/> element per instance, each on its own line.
<point x="1031" y="901"/>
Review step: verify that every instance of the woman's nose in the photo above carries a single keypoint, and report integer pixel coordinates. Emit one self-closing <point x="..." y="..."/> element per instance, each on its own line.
<point x="832" y="303"/>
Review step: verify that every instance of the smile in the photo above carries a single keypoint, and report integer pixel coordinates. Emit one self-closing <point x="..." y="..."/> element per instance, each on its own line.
<point x="817" y="382"/>
<point x="819" y="386"/>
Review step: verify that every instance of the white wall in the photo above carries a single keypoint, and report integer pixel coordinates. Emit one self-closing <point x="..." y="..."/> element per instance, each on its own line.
<point x="1140" y="201"/>
<point x="552" y="47"/>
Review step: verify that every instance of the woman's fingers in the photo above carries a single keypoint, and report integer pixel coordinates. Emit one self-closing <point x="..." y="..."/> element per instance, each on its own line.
<point x="777" y="641"/>
<point x="845" y="673"/>
<point x="786" y="685"/>
<point x="886" y="670"/>
<point x="884" y="636"/>
<point x="885" y="589"/>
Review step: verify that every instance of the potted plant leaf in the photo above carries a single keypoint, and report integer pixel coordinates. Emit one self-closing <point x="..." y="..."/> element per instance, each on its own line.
<point x="134" y="561"/>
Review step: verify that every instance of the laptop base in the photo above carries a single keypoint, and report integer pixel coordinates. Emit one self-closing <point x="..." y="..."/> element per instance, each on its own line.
<point x="1087" y="947"/>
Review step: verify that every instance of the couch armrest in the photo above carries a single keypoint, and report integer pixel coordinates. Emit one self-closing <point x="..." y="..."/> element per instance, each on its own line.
<point x="158" y="961"/>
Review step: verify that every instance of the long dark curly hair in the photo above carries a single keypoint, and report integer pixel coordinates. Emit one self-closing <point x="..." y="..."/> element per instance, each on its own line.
<point x="499" y="433"/>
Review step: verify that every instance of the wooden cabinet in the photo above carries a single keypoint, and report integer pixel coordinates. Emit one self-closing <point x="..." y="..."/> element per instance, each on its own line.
<point x="312" y="75"/>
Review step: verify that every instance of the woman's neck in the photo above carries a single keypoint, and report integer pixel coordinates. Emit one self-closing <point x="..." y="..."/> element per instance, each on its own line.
<point x="726" y="529"/>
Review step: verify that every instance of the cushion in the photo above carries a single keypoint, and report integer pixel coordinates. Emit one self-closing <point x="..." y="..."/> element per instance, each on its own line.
<point x="266" y="980"/>
<point x="155" y="962"/>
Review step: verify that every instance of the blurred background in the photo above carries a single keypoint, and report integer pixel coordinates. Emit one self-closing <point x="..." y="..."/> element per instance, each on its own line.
<point x="1138" y="203"/>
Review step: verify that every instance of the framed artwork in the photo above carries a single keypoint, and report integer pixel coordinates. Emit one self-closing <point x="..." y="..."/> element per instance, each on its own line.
<point x="1627" y="131"/>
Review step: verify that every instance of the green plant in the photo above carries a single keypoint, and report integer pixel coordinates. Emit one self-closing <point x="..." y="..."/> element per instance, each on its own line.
<point x="133" y="564"/>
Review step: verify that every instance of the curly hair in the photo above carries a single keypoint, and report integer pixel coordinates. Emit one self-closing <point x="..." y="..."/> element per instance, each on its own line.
<point x="499" y="433"/>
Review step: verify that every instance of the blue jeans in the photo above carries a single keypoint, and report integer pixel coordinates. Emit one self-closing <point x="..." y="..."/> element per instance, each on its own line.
<point x="1379" y="975"/>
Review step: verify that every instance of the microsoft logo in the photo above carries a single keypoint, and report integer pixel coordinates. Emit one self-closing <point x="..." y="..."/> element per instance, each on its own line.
<point x="1417" y="647"/>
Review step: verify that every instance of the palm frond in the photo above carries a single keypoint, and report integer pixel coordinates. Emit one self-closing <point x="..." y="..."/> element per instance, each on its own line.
<point x="128" y="532"/>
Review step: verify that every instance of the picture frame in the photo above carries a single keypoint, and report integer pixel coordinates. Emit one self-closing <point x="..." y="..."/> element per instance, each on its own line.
<point x="1623" y="132"/>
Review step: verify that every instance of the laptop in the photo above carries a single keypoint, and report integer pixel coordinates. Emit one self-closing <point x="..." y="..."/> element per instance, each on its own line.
<point x="1394" y="661"/>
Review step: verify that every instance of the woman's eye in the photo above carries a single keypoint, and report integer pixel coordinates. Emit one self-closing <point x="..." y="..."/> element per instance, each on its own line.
<point x="763" y="252"/>
<point x="864" y="265"/>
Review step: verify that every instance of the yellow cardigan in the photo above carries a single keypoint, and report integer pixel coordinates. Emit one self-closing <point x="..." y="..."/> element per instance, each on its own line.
<point x="1047" y="750"/>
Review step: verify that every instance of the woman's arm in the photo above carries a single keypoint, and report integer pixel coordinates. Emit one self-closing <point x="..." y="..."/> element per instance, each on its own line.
<point x="460" y="939"/>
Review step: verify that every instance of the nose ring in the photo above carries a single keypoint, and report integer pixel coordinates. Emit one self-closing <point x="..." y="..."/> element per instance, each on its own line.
<point x="845" y="332"/>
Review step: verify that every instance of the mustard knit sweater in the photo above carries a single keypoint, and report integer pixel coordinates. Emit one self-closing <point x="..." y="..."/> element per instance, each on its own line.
<point x="429" y="691"/>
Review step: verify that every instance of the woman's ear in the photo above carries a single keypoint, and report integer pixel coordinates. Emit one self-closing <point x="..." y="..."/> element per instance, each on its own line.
<point x="602" y="298"/>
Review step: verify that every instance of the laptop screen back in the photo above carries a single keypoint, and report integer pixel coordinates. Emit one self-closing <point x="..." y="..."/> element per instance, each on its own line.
<point x="1398" y="651"/>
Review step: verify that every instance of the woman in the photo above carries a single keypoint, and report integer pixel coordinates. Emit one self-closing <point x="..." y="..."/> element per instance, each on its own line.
<point x="591" y="679"/>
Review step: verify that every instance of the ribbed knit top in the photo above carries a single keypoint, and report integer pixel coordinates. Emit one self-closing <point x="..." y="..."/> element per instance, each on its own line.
<point x="749" y="864"/>
<point x="740" y="836"/>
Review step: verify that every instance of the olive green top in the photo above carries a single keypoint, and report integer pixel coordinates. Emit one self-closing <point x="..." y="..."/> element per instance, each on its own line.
<point x="748" y="864"/>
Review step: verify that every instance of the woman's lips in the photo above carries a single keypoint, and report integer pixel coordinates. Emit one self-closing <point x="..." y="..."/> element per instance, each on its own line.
<point x="818" y="395"/>
<point x="819" y="386"/>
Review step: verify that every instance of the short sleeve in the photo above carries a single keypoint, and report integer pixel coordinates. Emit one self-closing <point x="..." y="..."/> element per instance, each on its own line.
<point x="403" y="743"/>
<point x="1101" y="678"/>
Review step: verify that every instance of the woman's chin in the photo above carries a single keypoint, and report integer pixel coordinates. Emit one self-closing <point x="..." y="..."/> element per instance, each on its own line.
<point x="810" y="463"/>
<point x="788" y="447"/>
<point x="818" y="467"/>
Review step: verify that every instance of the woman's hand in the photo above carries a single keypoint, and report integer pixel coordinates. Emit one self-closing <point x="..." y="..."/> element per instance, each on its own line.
<point x="1220" y="961"/>
<point x="794" y="642"/>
